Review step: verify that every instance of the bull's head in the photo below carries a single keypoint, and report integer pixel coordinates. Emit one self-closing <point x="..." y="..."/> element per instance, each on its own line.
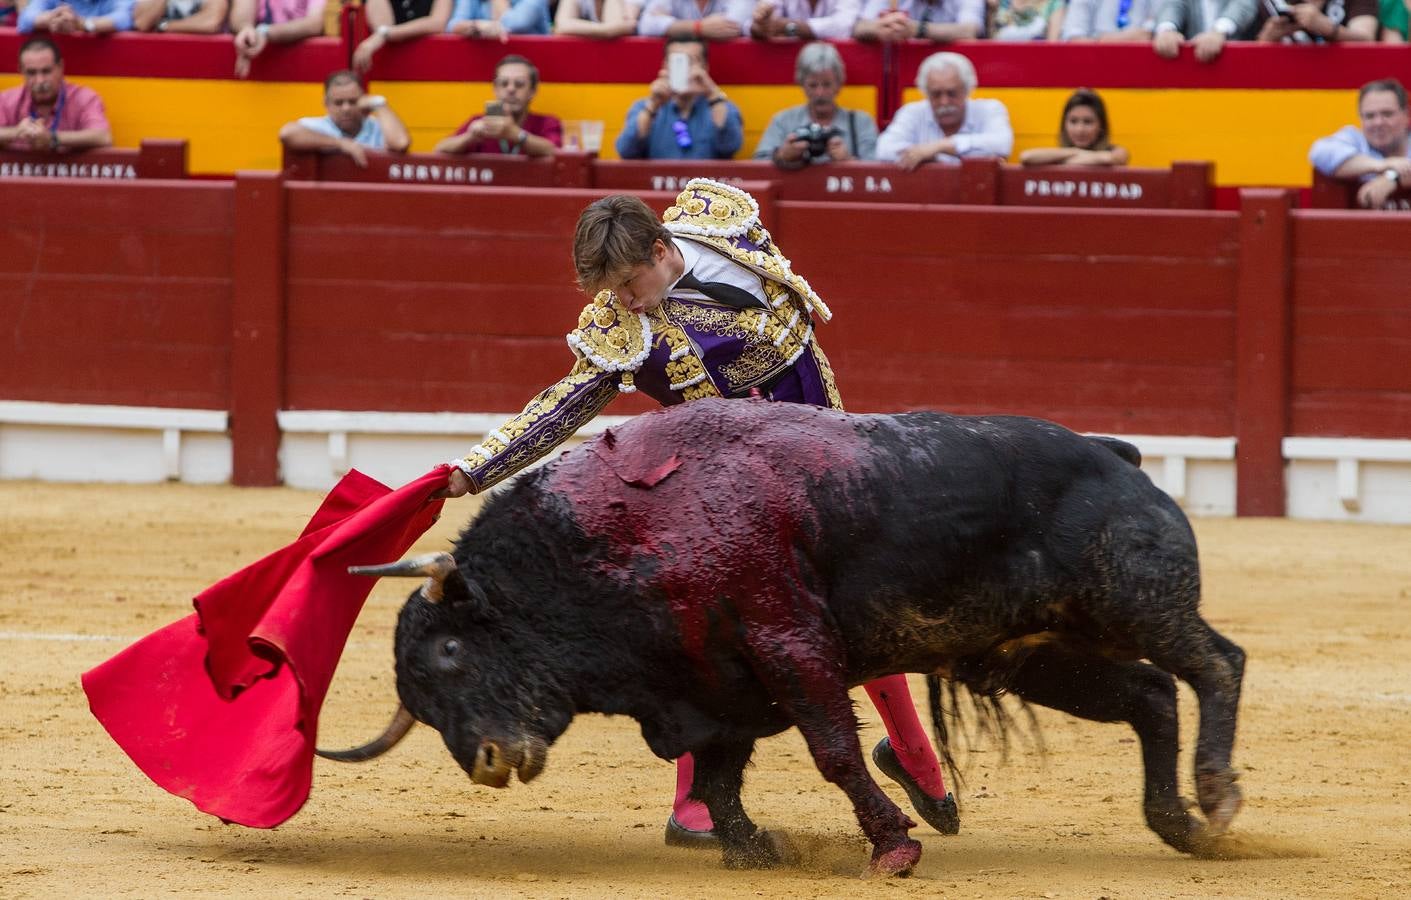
<point x="460" y="670"/>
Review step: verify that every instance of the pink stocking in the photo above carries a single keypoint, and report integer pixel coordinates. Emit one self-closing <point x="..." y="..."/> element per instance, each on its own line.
<point x="892" y="697"/>
<point x="689" y="813"/>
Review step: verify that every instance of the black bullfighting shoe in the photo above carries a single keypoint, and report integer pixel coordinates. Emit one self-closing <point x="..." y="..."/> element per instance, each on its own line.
<point x="940" y="813"/>
<point x="678" y="835"/>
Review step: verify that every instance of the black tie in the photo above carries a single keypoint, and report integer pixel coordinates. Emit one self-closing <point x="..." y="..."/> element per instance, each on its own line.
<point x="721" y="292"/>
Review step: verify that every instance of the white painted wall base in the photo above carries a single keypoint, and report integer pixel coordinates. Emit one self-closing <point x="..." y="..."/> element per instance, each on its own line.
<point x="1342" y="479"/>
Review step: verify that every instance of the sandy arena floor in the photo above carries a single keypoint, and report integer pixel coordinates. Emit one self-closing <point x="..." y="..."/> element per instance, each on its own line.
<point x="1324" y="612"/>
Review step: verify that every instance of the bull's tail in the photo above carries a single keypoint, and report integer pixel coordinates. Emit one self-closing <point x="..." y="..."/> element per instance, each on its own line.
<point x="987" y="715"/>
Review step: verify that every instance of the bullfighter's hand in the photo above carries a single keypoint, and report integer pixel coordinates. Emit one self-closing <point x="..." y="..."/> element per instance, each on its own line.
<point x="458" y="486"/>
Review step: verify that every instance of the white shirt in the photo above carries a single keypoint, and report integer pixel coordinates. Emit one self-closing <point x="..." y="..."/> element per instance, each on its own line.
<point x="707" y="265"/>
<point x="985" y="132"/>
<point x="830" y="19"/>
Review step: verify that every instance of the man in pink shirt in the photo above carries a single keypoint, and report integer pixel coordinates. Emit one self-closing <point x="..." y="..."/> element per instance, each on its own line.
<point x="46" y="114"/>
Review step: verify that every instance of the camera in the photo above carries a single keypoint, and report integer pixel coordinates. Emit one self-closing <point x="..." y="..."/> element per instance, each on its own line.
<point x="817" y="137"/>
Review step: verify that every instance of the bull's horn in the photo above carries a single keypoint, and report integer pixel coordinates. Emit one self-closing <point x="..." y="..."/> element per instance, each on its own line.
<point x="401" y="723"/>
<point x="436" y="566"/>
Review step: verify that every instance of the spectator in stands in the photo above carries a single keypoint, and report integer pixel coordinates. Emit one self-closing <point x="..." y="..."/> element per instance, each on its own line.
<point x="597" y="18"/>
<point x="941" y="21"/>
<point x="947" y="125"/>
<point x="1208" y="24"/>
<point x="498" y="19"/>
<point x="1392" y="14"/>
<point x="511" y="128"/>
<point x="1317" y="21"/>
<point x="806" y="20"/>
<point x="392" y="23"/>
<point x="9" y="12"/>
<point x="356" y="122"/>
<point x="1083" y="136"/>
<point x="709" y="20"/>
<point x="1109" y="21"/>
<point x="75" y="16"/>
<point x="698" y="123"/>
<point x="180" y="16"/>
<point x="46" y="114"/>
<point x="1376" y="153"/>
<point x="818" y="131"/>
<point x="1025" y="20"/>
<point x="259" y="23"/>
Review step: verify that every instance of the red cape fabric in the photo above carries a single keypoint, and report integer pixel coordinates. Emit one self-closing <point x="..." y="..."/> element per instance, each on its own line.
<point x="222" y="706"/>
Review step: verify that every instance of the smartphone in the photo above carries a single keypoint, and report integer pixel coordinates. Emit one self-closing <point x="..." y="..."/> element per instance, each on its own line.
<point x="494" y="108"/>
<point x="678" y="72"/>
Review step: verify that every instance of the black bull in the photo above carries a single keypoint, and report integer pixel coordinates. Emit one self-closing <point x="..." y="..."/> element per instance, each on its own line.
<point x="723" y="570"/>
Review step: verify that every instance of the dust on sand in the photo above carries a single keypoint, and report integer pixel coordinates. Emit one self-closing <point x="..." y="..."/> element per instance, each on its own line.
<point x="1323" y="610"/>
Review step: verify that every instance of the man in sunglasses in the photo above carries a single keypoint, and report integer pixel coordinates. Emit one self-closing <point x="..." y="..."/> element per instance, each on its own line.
<point x="507" y="125"/>
<point x="691" y="119"/>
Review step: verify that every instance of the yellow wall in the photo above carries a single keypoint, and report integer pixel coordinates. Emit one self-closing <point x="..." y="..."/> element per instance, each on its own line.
<point x="1254" y="137"/>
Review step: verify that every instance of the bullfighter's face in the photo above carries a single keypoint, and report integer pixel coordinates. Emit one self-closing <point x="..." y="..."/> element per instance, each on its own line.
<point x="643" y="287"/>
<point x="472" y="676"/>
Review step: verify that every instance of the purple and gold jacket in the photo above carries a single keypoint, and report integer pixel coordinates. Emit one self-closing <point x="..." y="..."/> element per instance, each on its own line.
<point x="684" y="349"/>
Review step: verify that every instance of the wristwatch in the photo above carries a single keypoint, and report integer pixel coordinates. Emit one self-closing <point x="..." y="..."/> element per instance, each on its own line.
<point x="375" y="101"/>
<point x="1392" y="176"/>
<point x="383" y="31"/>
<point x="792" y="29"/>
<point x="88" y="24"/>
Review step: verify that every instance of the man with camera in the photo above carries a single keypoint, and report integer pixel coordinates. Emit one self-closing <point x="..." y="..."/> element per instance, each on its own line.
<point x="818" y="131"/>
<point x="356" y="122"/>
<point x="685" y="114"/>
<point x="507" y="125"/>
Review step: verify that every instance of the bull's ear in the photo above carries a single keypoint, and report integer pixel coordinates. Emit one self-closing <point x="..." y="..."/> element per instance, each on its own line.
<point x="466" y="595"/>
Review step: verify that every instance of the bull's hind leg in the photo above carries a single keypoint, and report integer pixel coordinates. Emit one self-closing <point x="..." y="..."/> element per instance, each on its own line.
<point x="720" y="774"/>
<point x="1213" y="666"/>
<point x="1092" y="687"/>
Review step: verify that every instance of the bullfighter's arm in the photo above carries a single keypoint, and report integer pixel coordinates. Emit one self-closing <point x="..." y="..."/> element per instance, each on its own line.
<point x="610" y="343"/>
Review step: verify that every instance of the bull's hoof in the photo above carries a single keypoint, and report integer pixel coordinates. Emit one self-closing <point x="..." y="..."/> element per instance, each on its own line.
<point x="1220" y="798"/>
<point x="1174" y="824"/>
<point x="678" y="835"/>
<point x="897" y="862"/>
<point x="762" y="850"/>
<point x="940" y="813"/>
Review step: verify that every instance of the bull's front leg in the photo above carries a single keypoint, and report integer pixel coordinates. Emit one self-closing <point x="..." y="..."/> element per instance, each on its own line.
<point x="808" y="684"/>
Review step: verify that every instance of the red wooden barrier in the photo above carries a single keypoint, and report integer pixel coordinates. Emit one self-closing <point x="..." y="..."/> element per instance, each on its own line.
<point x="255" y="296"/>
<point x="977" y="309"/>
<point x="1341" y="193"/>
<point x="560" y="170"/>
<point x="1351" y="325"/>
<point x="1186" y="185"/>
<point x="116" y="293"/>
<point x="154" y="159"/>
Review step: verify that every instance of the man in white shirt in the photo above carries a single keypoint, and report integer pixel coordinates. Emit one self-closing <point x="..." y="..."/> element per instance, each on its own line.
<point x="947" y="125"/>
<point x="1376" y="155"/>
<point x="355" y="122"/>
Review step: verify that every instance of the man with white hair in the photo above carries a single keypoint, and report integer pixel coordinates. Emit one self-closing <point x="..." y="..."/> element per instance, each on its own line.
<point x="819" y="131"/>
<point x="946" y="126"/>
